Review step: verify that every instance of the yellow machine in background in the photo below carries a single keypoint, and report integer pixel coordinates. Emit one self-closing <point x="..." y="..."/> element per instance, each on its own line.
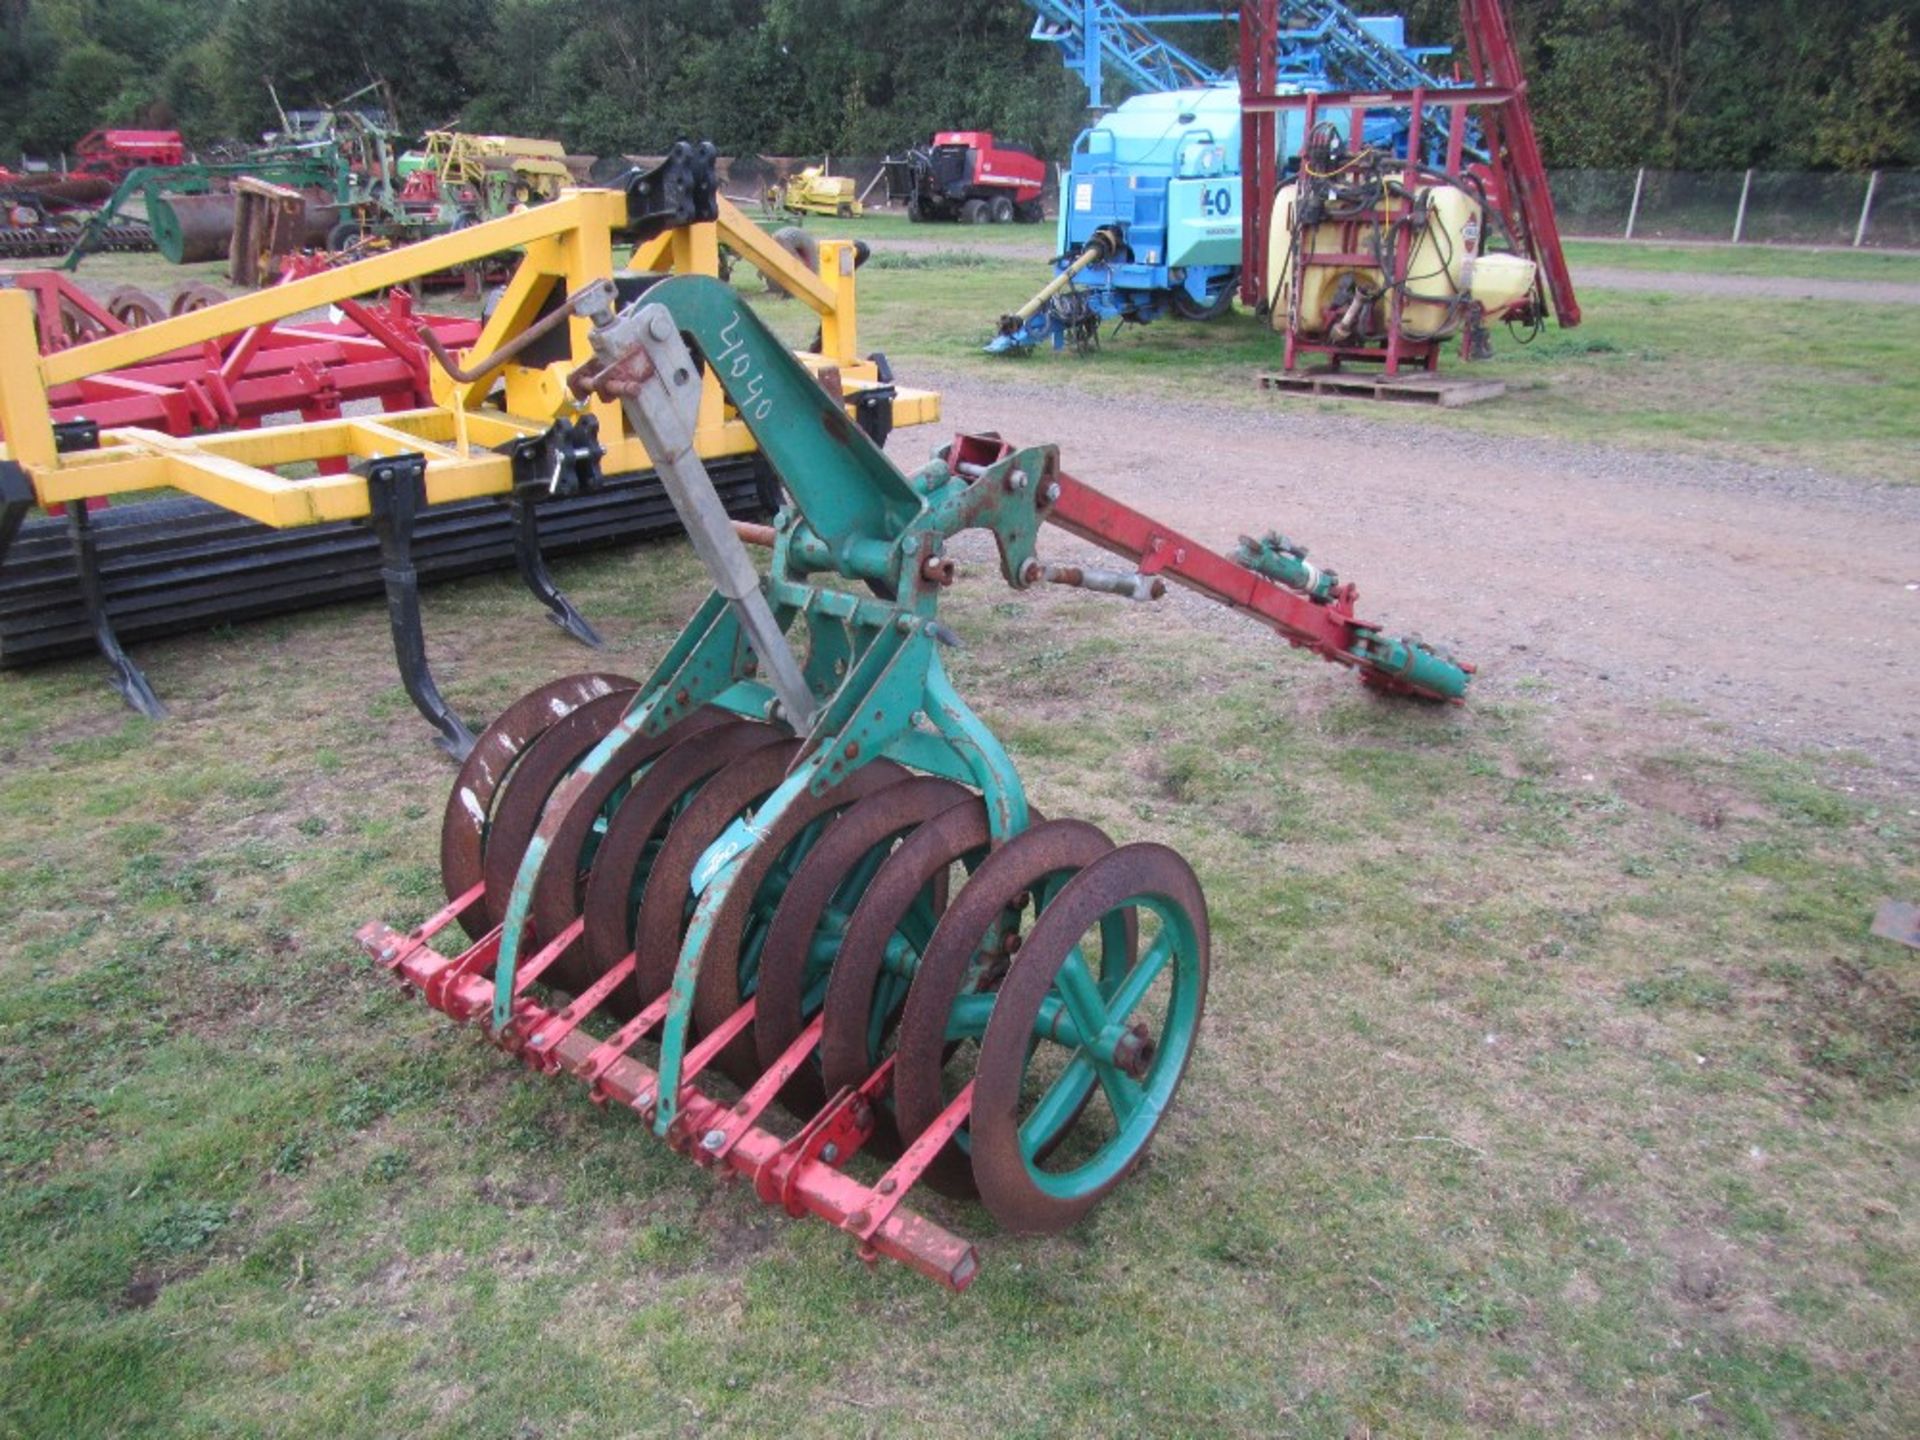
<point x="538" y="167"/>
<point x="814" y="192"/>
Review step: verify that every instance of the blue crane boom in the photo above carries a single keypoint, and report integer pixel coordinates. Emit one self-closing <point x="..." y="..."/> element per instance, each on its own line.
<point x="1323" y="45"/>
<point x="1096" y="34"/>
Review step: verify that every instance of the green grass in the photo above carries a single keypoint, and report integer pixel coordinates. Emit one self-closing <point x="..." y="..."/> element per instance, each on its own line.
<point x="1532" y="1099"/>
<point x="1899" y="267"/>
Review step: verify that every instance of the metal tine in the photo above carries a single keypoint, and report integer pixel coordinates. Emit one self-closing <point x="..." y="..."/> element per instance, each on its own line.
<point x="702" y="1054"/>
<point x="423" y="932"/>
<point x="907" y="1170"/>
<point x="475" y="958"/>
<point x="752" y="1105"/>
<point x="533" y="968"/>
<point x="558" y="1027"/>
<point x="624" y="1039"/>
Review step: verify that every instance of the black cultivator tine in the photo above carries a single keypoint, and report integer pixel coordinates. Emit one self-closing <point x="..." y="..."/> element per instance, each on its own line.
<point x="396" y="493"/>
<point x="125" y="675"/>
<point x="533" y="569"/>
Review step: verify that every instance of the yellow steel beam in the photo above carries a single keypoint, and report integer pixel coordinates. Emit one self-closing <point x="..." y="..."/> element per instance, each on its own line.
<point x="527" y="289"/>
<point x="24" y="418"/>
<point x="236" y="470"/>
<point x="771" y="259"/>
<point x="839" y="324"/>
<point x="574" y="208"/>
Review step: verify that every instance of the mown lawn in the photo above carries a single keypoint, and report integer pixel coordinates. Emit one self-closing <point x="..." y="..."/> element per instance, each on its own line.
<point x="1900" y="267"/>
<point x="1542" y="1092"/>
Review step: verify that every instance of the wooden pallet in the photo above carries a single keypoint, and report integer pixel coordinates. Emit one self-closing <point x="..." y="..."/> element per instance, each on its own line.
<point x="1446" y="391"/>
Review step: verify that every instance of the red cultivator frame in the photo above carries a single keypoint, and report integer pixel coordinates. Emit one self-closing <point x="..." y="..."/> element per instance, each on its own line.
<point x="802" y="1174"/>
<point x="311" y="368"/>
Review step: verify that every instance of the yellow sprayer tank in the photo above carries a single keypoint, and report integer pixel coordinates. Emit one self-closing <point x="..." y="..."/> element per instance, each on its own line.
<point x="1445" y="262"/>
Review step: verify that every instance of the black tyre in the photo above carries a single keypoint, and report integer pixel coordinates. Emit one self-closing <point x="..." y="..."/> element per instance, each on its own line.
<point x="343" y="235"/>
<point x="914" y="212"/>
<point x="1219" y="300"/>
<point x="974" y="212"/>
<point x="1000" y="209"/>
<point x="1030" y="213"/>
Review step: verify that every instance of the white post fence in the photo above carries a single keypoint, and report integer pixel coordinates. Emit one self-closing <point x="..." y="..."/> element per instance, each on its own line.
<point x="1866" y="211"/>
<point x="1633" y="212"/>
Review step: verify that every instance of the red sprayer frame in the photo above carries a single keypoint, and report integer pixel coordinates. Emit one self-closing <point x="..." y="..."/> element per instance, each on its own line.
<point x="1515" y="179"/>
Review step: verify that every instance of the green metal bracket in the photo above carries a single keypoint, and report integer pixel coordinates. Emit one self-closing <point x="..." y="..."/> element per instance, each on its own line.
<point x="873" y="665"/>
<point x="1285" y="562"/>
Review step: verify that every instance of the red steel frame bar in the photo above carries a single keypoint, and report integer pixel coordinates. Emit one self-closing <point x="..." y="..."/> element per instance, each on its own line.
<point x="310" y="368"/>
<point x="793" y="1172"/>
<point x="1330" y="630"/>
<point x="1326" y="630"/>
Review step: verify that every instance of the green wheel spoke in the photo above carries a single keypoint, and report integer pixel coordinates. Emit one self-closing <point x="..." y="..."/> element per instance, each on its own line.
<point x="1139" y="980"/>
<point x="1124" y="1093"/>
<point x="968" y="1018"/>
<point x="1056" y="1108"/>
<point x="1076" y="987"/>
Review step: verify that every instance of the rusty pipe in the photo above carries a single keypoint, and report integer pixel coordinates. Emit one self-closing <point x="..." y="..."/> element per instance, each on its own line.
<point x="476" y="371"/>
<point x="1128" y="584"/>
<point x="754" y="534"/>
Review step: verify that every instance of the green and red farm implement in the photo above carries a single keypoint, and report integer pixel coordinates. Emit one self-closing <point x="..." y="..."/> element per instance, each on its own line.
<point x="791" y="873"/>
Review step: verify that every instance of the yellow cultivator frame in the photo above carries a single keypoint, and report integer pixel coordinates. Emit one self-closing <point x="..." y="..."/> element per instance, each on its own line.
<point x="567" y="244"/>
<point x="455" y="450"/>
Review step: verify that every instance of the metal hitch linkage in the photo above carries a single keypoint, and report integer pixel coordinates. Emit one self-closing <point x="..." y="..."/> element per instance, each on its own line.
<point x="646" y="366"/>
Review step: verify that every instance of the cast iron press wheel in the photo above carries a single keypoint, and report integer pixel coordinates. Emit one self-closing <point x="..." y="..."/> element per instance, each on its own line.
<point x="666" y="904"/>
<point x="576" y="821"/>
<point x="623" y="863"/>
<point x="134" y="307"/>
<point x="882" y="943"/>
<point x="804" y="934"/>
<point x="1140" y="1037"/>
<point x="939" y="1029"/>
<point x="463" y="828"/>
<point x="547" y="761"/>
<point x="196" y="295"/>
<point x="732" y="960"/>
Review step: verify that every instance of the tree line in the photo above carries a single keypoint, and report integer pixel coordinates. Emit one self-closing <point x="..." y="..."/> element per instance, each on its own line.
<point x="1690" y="84"/>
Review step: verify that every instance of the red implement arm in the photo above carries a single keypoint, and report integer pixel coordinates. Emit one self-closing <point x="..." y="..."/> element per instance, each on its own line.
<point x="1331" y="631"/>
<point x="1327" y="626"/>
<point x="1496" y="62"/>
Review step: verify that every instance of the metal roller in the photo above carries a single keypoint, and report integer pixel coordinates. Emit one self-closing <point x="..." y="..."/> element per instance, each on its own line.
<point x="801" y="874"/>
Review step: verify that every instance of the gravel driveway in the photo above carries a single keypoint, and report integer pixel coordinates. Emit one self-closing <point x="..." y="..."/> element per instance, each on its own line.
<point x="1781" y="607"/>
